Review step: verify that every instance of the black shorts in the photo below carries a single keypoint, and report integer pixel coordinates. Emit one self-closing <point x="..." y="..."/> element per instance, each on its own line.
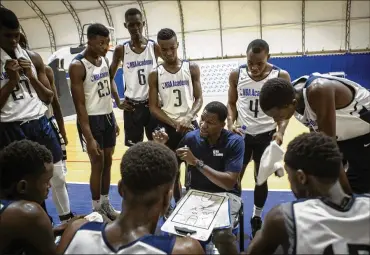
<point x="174" y="137"/>
<point x="255" y="146"/>
<point x="39" y="131"/>
<point x="103" y="129"/>
<point x="356" y="152"/>
<point x="54" y="125"/>
<point x="137" y="121"/>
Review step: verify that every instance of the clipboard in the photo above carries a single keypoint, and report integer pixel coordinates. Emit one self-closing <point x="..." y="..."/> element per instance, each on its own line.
<point x="197" y="214"/>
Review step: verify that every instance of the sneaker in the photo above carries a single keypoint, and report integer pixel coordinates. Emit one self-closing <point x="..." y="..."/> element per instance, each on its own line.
<point x="109" y="211"/>
<point x="256" y="224"/>
<point x="103" y="214"/>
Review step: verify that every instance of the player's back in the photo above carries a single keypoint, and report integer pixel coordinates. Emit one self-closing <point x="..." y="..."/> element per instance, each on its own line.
<point x="249" y="111"/>
<point x="176" y="90"/>
<point x="98" y="100"/>
<point x="136" y="69"/>
<point x="91" y="239"/>
<point x="317" y="226"/>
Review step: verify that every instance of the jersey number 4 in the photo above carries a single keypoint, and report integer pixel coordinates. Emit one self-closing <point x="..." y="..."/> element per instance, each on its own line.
<point x="352" y="249"/>
<point x="253" y="106"/>
<point x="141" y="76"/>
<point x="15" y="93"/>
<point x="103" y="89"/>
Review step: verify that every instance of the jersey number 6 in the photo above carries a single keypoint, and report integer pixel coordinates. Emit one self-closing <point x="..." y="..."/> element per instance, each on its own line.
<point x="141" y="77"/>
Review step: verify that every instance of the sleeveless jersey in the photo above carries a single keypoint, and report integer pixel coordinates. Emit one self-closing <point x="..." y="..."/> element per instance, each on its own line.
<point x="96" y="84"/>
<point x="90" y="239"/>
<point x="351" y="121"/>
<point x="249" y="111"/>
<point x="176" y="90"/>
<point x="316" y="226"/>
<point x="136" y="69"/>
<point x="23" y="104"/>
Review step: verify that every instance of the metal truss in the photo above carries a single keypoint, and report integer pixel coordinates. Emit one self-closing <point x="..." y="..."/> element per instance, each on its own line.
<point x="220" y="20"/>
<point x="348" y="26"/>
<point x="20" y="26"/>
<point x="260" y="19"/>
<point x="142" y="9"/>
<point x="182" y="28"/>
<point x="46" y="22"/>
<point x="304" y="27"/>
<point x="77" y="21"/>
<point x="107" y="15"/>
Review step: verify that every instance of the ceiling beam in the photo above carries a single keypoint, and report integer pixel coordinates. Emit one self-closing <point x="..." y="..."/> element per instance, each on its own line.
<point x="142" y="9"/>
<point x="348" y="26"/>
<point x="75" y="17"/>
<point x="304" y="27"/>
<point x="179" y="5"/>
<point x="107" y="15"/>
<point x="220" y="20"/>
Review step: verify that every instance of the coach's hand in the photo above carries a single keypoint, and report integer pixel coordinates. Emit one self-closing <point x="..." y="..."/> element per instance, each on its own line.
<point x="26" y="65"/>
<point x="183" y="124"/>
<point x="93" y="149"/>
<point x="278" y="137"/>
<point x="160" y="136"/>
<point x="186" y="155"/>
<point x="125" y="105"/>
<point x="12" y="69"/>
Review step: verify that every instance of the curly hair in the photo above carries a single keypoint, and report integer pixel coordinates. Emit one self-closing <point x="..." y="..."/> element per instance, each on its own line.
<point x="97" y="29"/>
<point x="316" y="154"/>
<point x="8" y="19"/>
<point x="166" y="34"/>
<point x="217" y="108"/>
<point x="20" y="159"/>
<point x="147" y="165"/>
<point x="276" y="92"/>
<point x="258" y="45"/>
<point x="132" y="12"/>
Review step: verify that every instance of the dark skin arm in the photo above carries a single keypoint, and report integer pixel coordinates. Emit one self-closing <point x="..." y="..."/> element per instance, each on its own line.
<point x="153" y="101"/>
<point x="68" y="235"/>
<point x="40" y="83"/>
<point x="12" y="69"/>
<point x="57" y="109"/>
<point x="231" y="102"/>
<point x="187" y="245"/>
<point x="271" y="236"/>
<point x="322" y="101"/>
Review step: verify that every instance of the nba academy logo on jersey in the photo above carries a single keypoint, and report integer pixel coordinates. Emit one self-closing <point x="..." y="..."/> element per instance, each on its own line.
<point x="97" y="77"/>
<point x="249" y="93"/>
<point x="134" y="64"/>
<point x="170" y="84"/>
<point x="4" y="76"/>
<point x="310" y="123"/>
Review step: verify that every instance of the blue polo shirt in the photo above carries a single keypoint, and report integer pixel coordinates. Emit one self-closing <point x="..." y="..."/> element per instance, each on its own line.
<point x="224" y="156"/>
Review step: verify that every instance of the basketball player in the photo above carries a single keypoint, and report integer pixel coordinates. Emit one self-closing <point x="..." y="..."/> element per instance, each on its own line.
<point x="91" y="92"/>
<point x="178" y="84"/>
<point x="139" y="57"/>
<point x="324" y="220"/>
<point x="58" y="182"/>
<point x="244" y="111"/>
<point x="148" y="172"/>
<point x="335" y="106"/>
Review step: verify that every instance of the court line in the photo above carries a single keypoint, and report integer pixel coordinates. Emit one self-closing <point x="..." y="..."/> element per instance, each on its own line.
<point x="275" y="190"/>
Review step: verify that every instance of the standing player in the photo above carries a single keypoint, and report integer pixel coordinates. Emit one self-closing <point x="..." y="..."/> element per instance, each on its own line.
<point x="243" y="106"/>
<point x="324" y="220"/>
<point x="91" y="92"/>
<point x="335" y="106"/>
<point x="178" y="84"/>
<point x="139" y="56"/>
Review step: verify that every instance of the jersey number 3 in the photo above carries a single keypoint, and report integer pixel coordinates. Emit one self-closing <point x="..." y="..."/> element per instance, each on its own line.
<point x="179" y="101"/>
<point x="102" y="91"/>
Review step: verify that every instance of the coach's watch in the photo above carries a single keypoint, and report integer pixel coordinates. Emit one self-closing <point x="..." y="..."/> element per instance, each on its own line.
<point x="199" y="164"/>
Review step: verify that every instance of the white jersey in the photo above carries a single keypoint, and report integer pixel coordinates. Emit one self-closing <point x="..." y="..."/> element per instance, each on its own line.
<point x="23" y="104"/>
<point x="176" y="90"/>
<point x="316" y="226"/>
<point x="248" y="107"/>
<point x="136" y="70"/>
<point x="90" y="239"/>
<point x="351" y="121"/>
<point x="97" y="87"/>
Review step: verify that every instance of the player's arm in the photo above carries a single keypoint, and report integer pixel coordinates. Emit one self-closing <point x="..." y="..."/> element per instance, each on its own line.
<point x="57" y="109"/>
<point x="153" y="100"/>
<point x="197" y="90"/>
<point x="232" y="98"/>
<point x="271" y="236"/>
<point x="69" y="234"/>
<point x="187" y="245"/>
<point x="76" y="74"/>
<point x="117" y="59"/>
<point x="12" y="69"/>
<point x="40" y="83"/>
<point x="282" y="125"/>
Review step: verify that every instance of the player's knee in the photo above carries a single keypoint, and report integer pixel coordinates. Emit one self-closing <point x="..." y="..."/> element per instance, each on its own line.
<point x="223" y="236"/>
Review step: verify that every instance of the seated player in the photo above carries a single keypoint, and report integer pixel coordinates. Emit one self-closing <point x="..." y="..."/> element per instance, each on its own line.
<point x="148" y="172"/>
<point x="214" y="158"/>
<point x="335" y="106"/>
<point x="324" y="219"/>
<point x="26" y="169"/>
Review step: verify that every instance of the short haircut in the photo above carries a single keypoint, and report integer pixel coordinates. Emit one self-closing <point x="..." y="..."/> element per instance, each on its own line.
<point x="259" y="45"/>
<point x="146" y="166"/>
<point x="166" y="34"/>
<point x="315" y="154"/>
<point x="21" y="159"/>
<point x="217" y="108"/>
<point x="276" y="92"/>
<point x="131" y="12"/>
<point x="23" y="42"/>
<point x="8" y="19"/>
<point x="97" y="29"/>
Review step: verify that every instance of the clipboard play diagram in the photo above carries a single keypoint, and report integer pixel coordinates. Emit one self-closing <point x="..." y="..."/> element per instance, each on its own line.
<point x="198" y="214"/>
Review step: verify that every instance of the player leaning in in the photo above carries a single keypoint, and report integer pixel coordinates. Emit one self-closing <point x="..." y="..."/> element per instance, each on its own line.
<point x="178" y="84"/>
<point x="91" y="91"/>
<point x="139" y="57"/>
<point x="247" y="118"/>
<point x="335" y="106"/>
